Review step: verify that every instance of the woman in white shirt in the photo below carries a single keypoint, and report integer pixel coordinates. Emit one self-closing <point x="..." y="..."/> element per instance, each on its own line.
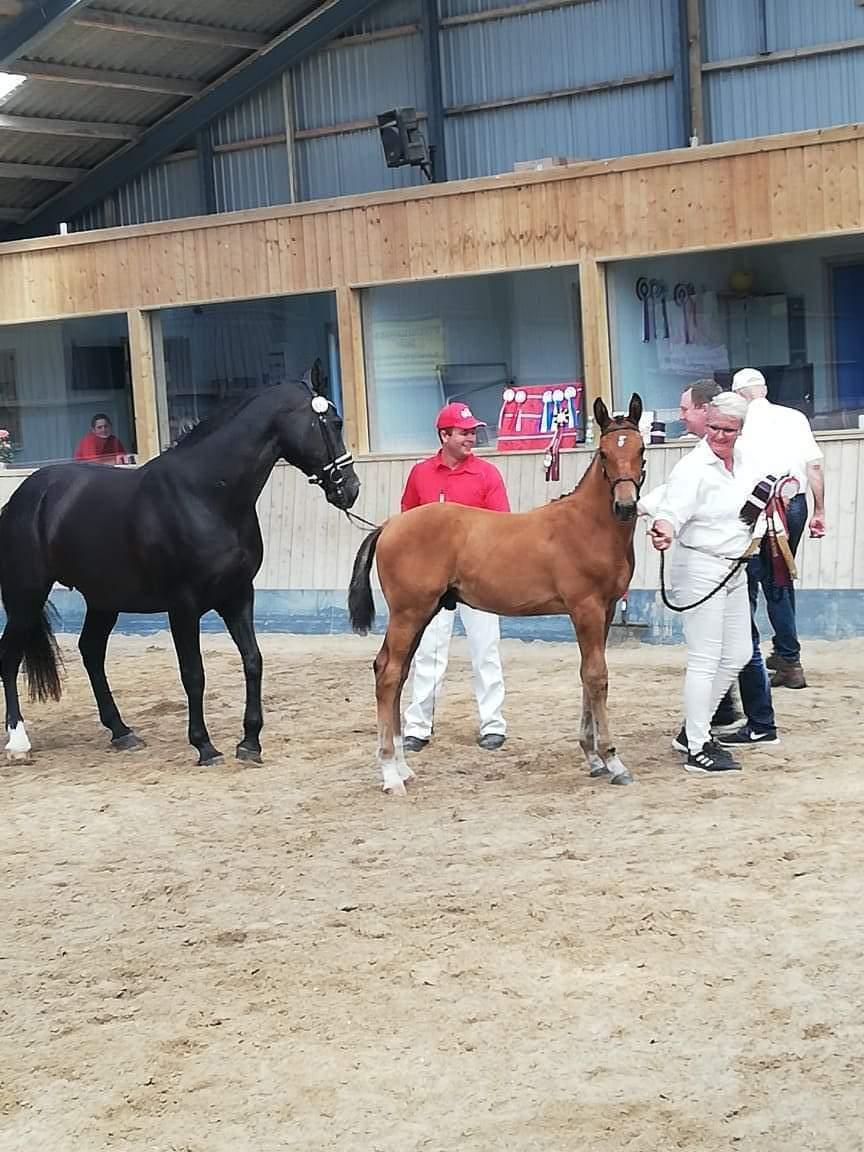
<point x="699" y="509"/>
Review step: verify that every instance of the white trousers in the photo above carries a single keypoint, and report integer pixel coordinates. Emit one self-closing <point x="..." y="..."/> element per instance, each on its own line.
<point x="430" y="664"/>
<point x="719" y="641"/>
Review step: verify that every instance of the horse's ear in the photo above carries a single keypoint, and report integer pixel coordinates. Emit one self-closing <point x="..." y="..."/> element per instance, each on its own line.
<point x="634" y="414"/>
<point x="601" y="415"/>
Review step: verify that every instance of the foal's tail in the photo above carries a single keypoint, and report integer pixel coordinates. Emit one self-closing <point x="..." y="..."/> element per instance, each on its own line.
<point x="361" y="605"/>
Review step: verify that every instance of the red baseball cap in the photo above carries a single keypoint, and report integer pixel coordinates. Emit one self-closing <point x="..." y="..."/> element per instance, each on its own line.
<point x="458" y="416"/>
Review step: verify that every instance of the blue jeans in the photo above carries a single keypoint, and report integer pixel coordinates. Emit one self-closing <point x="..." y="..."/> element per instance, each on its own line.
<point x="780" y="602"/>
<point x="753" y="678"/>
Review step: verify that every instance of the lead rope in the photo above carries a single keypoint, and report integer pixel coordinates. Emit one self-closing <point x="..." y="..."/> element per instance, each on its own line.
<point x="736" y="566"/>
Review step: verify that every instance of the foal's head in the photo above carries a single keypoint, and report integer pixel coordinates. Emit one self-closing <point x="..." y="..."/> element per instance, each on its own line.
<point x="621" y="452"/>
<point x="310" y="438"/>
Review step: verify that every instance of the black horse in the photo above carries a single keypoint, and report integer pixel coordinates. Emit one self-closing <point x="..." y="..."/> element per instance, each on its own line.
<point x="179" y="535"/>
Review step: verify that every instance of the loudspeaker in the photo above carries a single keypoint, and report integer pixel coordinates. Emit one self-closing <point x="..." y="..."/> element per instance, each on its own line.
<point x="401" y="139"/>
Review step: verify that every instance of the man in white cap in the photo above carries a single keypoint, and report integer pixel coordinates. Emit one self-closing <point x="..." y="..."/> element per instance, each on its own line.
<point x="781" y="440"/>
<point x="455" y="475"/>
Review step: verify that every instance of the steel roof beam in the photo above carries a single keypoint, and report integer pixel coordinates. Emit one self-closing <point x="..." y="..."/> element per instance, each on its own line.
<point x="284" y="52"/>
<point x="36" y="22"/>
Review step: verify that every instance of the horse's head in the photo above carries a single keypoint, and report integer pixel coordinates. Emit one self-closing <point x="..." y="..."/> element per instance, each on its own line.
<point x="310" y="438"/>
<point x="621" y="452"/>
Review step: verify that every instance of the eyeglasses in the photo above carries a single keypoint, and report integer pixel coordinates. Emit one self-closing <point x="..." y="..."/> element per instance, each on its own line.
<point x="723" y="431"/>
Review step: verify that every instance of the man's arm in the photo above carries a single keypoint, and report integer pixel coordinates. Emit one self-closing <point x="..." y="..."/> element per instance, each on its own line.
<point x="816" y="480"/>
<point x="496" y="494"/>
<point x="411" y="497"/>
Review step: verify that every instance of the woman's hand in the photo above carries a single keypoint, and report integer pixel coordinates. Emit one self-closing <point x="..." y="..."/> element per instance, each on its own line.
<point x="661" y="534"/>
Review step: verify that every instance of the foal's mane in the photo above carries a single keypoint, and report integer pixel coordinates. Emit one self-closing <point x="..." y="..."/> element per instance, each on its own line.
<point x="224" y="414"/>
<point x="617" y="422"/>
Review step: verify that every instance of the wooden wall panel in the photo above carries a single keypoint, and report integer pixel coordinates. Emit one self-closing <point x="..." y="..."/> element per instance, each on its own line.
<point x="309" y="545"/>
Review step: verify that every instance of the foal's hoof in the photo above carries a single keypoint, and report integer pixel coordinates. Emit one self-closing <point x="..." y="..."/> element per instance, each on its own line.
<point x="127" y="743"/>
<point x="596" y="766"/>
<point x="252" y="755"/>
<point x="621" y="778"/>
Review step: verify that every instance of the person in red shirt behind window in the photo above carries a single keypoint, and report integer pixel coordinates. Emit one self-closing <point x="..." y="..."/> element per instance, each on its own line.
<point x="454" y="474"/>
<point x="100" y="443"/>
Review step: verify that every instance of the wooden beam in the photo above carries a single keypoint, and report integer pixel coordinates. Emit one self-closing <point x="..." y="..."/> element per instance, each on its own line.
<point x="355" y="411"/>
<point x="694" y="59"/>
<point x="143" y="384"/>
<point x="509" y="11"/>
<point x="168" y="29"/>
<point x="104" y="78"/>
<point x="831" y="49"/>
<point x="10" y="171"/>
<point x="595" y="333"/>
<point x="559" y="93"/>
<point x="85" y="129"/>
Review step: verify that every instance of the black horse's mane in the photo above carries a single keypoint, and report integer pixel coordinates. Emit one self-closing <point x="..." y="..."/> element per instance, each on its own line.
<point x="224" y="414"/>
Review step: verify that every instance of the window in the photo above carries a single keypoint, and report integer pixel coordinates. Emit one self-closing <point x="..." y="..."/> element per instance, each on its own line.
<point x="467" y="338"/>
<point x="791" y="310"/>
<point x="211" y="353"/>
<point x="56" y="377"/>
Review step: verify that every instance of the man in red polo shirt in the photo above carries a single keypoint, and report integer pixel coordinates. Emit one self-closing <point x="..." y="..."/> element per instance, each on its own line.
<point x="456" y="475"/>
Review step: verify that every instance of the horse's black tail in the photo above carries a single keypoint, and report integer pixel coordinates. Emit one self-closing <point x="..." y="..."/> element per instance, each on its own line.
<point x="361" y="605"/>
<point x="29" y="628"/>
<point x="42" y="661"/>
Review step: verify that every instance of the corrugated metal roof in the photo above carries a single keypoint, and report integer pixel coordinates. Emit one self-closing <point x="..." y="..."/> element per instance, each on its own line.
<point x="120" y="52"/>
<point x="198" y="62"/>
<point x="27" y="148"/>
<point x="245" y="15"/>
<point x="41" y="98"/>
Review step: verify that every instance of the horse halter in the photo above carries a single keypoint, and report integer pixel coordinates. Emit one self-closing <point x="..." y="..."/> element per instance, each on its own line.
<point x="613" y="482"/>
<point x="331" y="473"/>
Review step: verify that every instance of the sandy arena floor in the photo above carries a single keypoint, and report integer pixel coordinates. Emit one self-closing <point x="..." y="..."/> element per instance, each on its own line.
<point x="516" y="957"/>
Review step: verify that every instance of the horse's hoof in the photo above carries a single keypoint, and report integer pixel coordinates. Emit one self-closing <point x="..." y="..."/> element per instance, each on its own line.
<point x="211" y="760"/>
<point x="621" y="778"/>
<point x="127" y="743"/>
<point x="248" y="754"/>
<point x="598" y="770"/>
<point x="18" y="757"/>
<point x="396" y="788"/>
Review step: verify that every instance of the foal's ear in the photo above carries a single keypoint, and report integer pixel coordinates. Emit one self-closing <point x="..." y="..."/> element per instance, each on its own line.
<point x="601" y="415"/>
<point x="634" y="414"/>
